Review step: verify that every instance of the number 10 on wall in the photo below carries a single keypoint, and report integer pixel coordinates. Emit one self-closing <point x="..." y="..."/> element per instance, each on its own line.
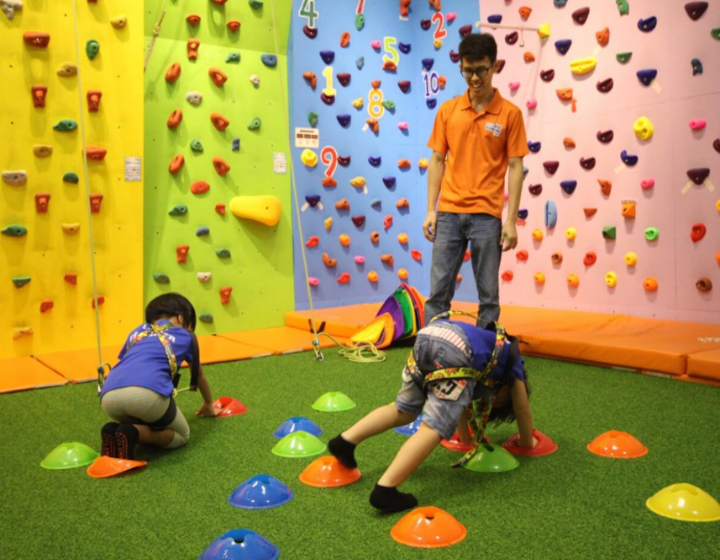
<point x="432" y="87"/>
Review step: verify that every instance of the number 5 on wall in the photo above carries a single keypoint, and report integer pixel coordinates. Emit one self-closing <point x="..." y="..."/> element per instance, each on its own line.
<point x="389" y="46"/>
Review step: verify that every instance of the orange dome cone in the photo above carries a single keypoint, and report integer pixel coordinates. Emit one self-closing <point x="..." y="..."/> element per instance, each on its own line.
<point x="428" y="527"/>
<point x="104" y="467"/>
<point x="327" y="472"/>
<point x="617" y="445"/>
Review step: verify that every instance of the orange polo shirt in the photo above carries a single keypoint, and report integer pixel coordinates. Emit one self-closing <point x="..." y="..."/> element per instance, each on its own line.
<point x="478" y="146"/>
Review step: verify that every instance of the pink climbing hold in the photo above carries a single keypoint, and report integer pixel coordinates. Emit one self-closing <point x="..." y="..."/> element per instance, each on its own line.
<point x="698" y="124"/>
<point x="514" y="86"/>
<point x="647" y="183"/>
<point x="313" y="281"/>
<point x="450" y="16"/>
<point x="403" y="125"/>
<point x="359" y="259"/>
<point x="376" y="44"/>
<point x="531" y="104"/>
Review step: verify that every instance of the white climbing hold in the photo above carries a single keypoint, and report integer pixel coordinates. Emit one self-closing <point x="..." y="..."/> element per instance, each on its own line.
<point x="194" y="97"/>
<point x="204" y="277"/>
<point x="9" y="7"/>
<point x="16" y="178"/>
<point x="255" y="80"/>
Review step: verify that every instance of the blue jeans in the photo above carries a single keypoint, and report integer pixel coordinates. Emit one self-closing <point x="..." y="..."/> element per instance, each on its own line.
<point x="453" y="232"/>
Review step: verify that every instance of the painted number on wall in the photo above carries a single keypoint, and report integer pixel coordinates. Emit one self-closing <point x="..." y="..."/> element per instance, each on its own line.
<point x="360" y="7"/>
<point x="329" y="157"/>
<point x="432" y="87"/>
<point x="375" y="107"/>
<point x="307" y="11"/>
<point x="389" y="46"/>
<point x="328" y="73"/>
<point x="440" y="32"/>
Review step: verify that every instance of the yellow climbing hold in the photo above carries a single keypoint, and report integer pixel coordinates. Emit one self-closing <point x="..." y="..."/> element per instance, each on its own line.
<point x="309" y="158"/>
<point x="358" y="182"/>
<point x="544" y="31"/>
<point x="423" y="163"/>
<point x="583" y="66"/>
<point x="264" y="208"/>
<point x="643" y="128"/>
<point x="328" y="224"/>
<point x="71" y="229"/>
<point x="358" y="103"/>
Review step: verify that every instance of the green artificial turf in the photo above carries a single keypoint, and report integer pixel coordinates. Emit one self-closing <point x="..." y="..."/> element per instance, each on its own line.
<point x="571" y="504"/>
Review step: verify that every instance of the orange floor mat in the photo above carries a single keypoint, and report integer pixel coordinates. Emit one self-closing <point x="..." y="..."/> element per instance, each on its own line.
<point x="281" y="340"/>
<point x="215" y="349"/>
<point x="21" y="374"/>
<point x="705" y="365"/>
<point x="79" y="366"/>
<point x="337" y="321"/>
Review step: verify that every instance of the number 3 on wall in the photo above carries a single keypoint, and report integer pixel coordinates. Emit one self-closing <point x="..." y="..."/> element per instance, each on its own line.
<point x="307" y="11"/>
<point x="389" y="45"/>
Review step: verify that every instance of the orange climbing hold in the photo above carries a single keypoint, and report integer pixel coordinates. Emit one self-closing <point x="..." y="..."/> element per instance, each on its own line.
<point x="181" y="253"/>
<point x="403" y="274"/>
<point x="38" y="96"/>
<point x="220" y="165"/>
<point x="403" y="238"/>
<point x="311" y="79"/>
<point x="95" y="203"/>
<point x="328" y="261"/>
<point x="436" y="4"/>
<point x="175" y="119"/>
<point x="193" y="20"/>
<point x="387" y="259"/>
<point x="374" y="124"/>
<point x="375" y="84"/>
<point x="342" y="204"/>
<point x="225" y="294"/>
<point x="507" y="276"/>
<point x="220" y="208"/>
<point x="219" y="122"/>
<point x="568" y="142"/>
<point x="42" y="200"/>
<point x="344" y="278"/>
<point x="344" y="239"/>
<point x="313" y="241"/>
<point x="70" y="278"/>
<point x="100" y="300"/>
<point x="603" y="36"/>
<point x="403" y="203"/>
<point x="93" y="99"/>
<point x="416" y="255"/>
<point x="173" y="73"/>
<point x="46" y="305"/>
<point x="390" y="66"/>
<point x="442" y="82"/>
<point x="345" y="39"/>
<point x="404" y="164"/>
<point x="199" y="187"/>
<point x="329" y="182"/>
<point x="36" y="39"/>
<point x="217" y="76"/>
<point x="405" y="8"/>
<point x="387" y="222"/>
<point x="192" y="49"/>
<point x="529" y="57"/>
<point x="234" y="26"/>
<point x="375" y="237"/>
<point x="605" y="186"/>
<point x="373" y="276"/>
<point x="525" y="12"/>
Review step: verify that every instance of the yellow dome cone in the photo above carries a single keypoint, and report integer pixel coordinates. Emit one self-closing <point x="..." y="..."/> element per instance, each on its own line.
<point x="684" y="502"/>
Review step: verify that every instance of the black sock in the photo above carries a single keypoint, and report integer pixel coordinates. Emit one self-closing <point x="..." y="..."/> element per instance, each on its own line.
<point x="344" y="451"/>
<point x="126" y="437"/>
<point x="107" y="437"/>
<point x="390" y="500"/>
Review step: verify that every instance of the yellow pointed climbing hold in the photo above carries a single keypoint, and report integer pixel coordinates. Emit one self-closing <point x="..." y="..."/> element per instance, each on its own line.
<point x="358" y="103"/>
<point x="119" y="22"/>
<point x="328" y="224"/>
<point x="583" y="65"/>
<point x="71" y="229"/>
<point x="309" y="158"/>
<point x="264" y="209"/>
<point x="544" y="31"/>
<point x="643" y="128"/>
<point x="358" y="182"/>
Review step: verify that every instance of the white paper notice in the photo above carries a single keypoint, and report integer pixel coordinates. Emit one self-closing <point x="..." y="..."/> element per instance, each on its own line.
<point x="133" y="169"/>
<point x="307" y="138"/>
<point x="279" y="162"/>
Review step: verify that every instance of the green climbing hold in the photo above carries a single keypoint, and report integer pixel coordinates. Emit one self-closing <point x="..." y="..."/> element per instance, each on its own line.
<point x="178" y="210"/>
<point x="14" y="231"/>
<point x="609" y="232"/>
<point x="161" y="278"/>
<point x="652" y="233"/>
<point x="254" y="4"/>
<point x="389" y="104"/>
<point x="71" y="177"/>
<point x="623" y="57"/>
<point x="254" y="124"/>
<point x="206" y="318"/>
<point x="715" y="33"/>
<point x="223" y="253"/>
<point x="20" y="281"/>
<point x="92" y="48"/>
<point x="196" y="145"/>
<point x="65" y="125"/>
<point x="313" y="119"/>
<point x="233" y="57"/>
<point x="623" y="6"/>
<point x="359" y="21"/>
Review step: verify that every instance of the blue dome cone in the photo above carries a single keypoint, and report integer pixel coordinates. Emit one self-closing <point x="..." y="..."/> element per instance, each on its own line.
<point x="296" y="424"/>
<point x="260" y="492"/>
<point x="241" y="544"/>
<point x="410" y="429"/>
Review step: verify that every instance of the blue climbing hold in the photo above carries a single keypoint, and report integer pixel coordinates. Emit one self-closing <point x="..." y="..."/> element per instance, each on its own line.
<point x="495" y="18"/>
<point x="568" y="186"/>
<point x="628" y="159"/>
<point x="647" y="25"/>
<point x="431" y="103"/>
<point x="526" y="169"/>
<point x="560" y="3"/>
<point x="376" y="203"/>
<point x="563" y="45"/>
<point x="360" y="62"/>
<point x="375" y="161"/>
<point x="240" y="544"/>
<point x="344" y="119"/>
<point x="260" y="492"/>
<point x="534" y="147"/>
<point x="404" y="47"/>
<point x="202" y="230"/>
<point x="327" y="56"/>
<point x="236" y="145"/>
<point x="296" y="424"/>
<point x="428" y="63"/>
<point x="389" y="182"/>
<point x="697" y="66"/>
<point x="647" y="76"/>
<point x="551" y="214"/>
<point x="523" y="213"/>
<point x="270" y="60"/>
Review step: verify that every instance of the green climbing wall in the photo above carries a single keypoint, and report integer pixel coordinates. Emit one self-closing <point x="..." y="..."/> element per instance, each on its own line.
<point x="260" y="268"/>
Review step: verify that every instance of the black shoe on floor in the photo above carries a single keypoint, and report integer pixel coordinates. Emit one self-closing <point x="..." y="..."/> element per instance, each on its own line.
<point x="126" y="436"/>
<point x="107" y="436"/>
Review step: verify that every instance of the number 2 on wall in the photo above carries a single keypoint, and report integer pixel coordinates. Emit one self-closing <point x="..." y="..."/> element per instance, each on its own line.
<point x="440" y="32"/>
<point x="307" y="11"/>
<point x="329" y="157"/>
<point x="328" y="73"/>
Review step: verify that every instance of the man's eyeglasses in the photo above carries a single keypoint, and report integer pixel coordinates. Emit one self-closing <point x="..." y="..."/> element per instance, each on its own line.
<point x="480" y="72"/>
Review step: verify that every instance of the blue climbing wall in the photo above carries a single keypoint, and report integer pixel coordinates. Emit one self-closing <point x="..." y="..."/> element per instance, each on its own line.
<point x="384" y="25"/>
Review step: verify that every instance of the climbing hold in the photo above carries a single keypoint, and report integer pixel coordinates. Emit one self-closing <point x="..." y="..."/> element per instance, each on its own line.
<point x="232" y="57"/>
<point x="359" y="259"/>
<point x="514" y="86"/>
<point x="344" y="240"/>
<point x="358" y="221"/>
<point x="95" y="203"/>
<point x="628" y="209"/>
<point x="605" y="86"/>
<point x="623" y="7"/>
<point x="67" y="70"/>
<point x="537" y="235"/>
<point x="573" y="280"/>
<point x="342" y="204"/>
<point x="175" y="119"/>
<point x="643" y="128"/>
<point x="697" y="67"/>
<point x="181" y="253"/>
<point x="704" y="284"/>
<point x="427" y="63"/>
<point x="269" y="60"/>
<point x="551" y="166"/>
<point x="535" y="189"/>
<point x="70" y="229"/>
<point x="566" y="94"/>
<point x="695" y="10"/>
<point x="647" y="25"/>
<point x="631" y="259"/>
<point x="359" y="21"/>
<point x="223" y="253"/>
<point x="547" y="75"/>
<point x="389" y="182"/>
<point x="402" y="203"/>
<point x="404" y="48"/>
<point x="529" y="57"/>
<point x="218" y="76"/>
<point x="522" y="255"/>
<point x="92" y="48"/>
<point x="254" y="124"/>
<point x="647" y="183"/>
<point x="310" y="32"/>
<point x="650" y="284"/>
<point x="698" y="175"/>
<point x="313" y="119"/>
<point x="389" y="104"/>
<point x="42" y="200"/>
<point x="312" y="242"/>
<point x="534" y="147"/>
<point x="94" y="153"/>
<point x="220" y="165"/>
<point x="14" y="231"/>
<point x="173" y="73"/>
<point x="225" y="294"/>
<point x="511" y="38"/>
<point x="345" y="39"/>
<point x="611" y="279"/>
<point x="328" y="223"/>
<point x="466" y="30"/>
<point x="571" y="234"/>
<point x="42" y="150"/>
<point x="206" y="318"/>
<point x="233" y="26"/>
<point x="387" y="259"/>
<point x="531" y="104"/>
<point x="605" y="137"/>
<point x="178" y="210"/>
<point x="628" y="159"/>
<point x="697" y="124"/>
<point x="264" y="209"/>
<point x="202" y="231"/>
<point x="329" y="182"/>
<point x="15" y="178"/>
<point x="647" y="76"/>
<point x="93" y="99"/>
<point x="20" y="281"/>
<point x="254" y="4"/>
<point x="387" y="222"/>
<point x="344" y="278"/>
<point x="580" y="15"/>
<point x="328" y="261"/>
<point x="358" y="182"/>
<point x="609" y="232"/>
<point x="327" y="56"/>
<point x="590" y="258"/>
<point x="562" y="45"/>
<point x="404" y="164"/>
<point x="556" y="258"/>
<point x="65" y="125"/>
<point x="697" y="232"/>
<point x="551" y="214"/>
<point x="539" y="277"/>
<point x="431" y="102"/>
<point x="402" y="274"/>
<point x="374" y="161"/>
<point x="389" y="66"/>
<point x="193" y="20"/>
<point x="327" y="99"/>
<point x="525" y="12"/>
<point x="652" y="233"/>
<point x="605" y="186"/>
<point x="374" y="124"/>
<point x="423" y="163"/>
<point x="204" y="277"/>
<point x="38" y="96"/>
<point x="196" y="145"/>
<point x="495" y="18"/>
<point x="603" y="36"/>
<point x="309" y="158"/>
<point x="254" y="80"/>
<point x="588" y="163"/>
<point x="199" y="187"/>
<point x="344" y="78"/>
<point x="425" y="24"/>
<point x="194" y="97"/>
<point x="219" y="122"/>
<point x="568" y="142"/>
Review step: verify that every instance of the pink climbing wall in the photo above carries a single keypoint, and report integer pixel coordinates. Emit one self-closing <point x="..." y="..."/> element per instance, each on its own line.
<point x="673" y="205"/>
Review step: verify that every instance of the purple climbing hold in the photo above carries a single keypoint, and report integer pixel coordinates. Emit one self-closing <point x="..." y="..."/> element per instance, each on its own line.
<point x="696" y="9"/>
<point x="588" y="163"/>
<point x="312" y="199"/>
<point x="375" y="161"/>
<point x="344" y="161"/>
<point x="716" y="145"/>
<point x="310" y="32"/>
<point x="523" y="214"/>
<point x="647" y="25"/>
<point x="605" y="85"/>
<point x="647" y="76"/>
<point x="389" y="182"/>
<point x="344" y="119"/>
<point x="428" y="63"/>
<point x="551" y="166"/>
<point x="431" y="103"/>
<point x="535" y="189"/>
<point x="563" y="45"/>
<point x="455" y="57"/>
<point x="628" y="159"/>
<point x="425" y="24"/>
<point x="534" y="147"/>
<point x="495" y="18"/>
<point x="698" y="175"/>
<point x="327" y="99"/>
<point x="404" y="47"/>
<point x="327" y="56"/>
<point x="568" y="186"/>
<point x="511" y="38"/>
<point x="465" y="30"/>
<point x="404" y="85"/>
<point x="606" y="136"/>
<point x="580" y="15"/>
<point x="344" y="78"/>
<point x="547" y="75"/>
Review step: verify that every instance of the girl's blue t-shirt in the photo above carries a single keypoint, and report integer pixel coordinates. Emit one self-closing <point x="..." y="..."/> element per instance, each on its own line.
<point x="146" y="364"/>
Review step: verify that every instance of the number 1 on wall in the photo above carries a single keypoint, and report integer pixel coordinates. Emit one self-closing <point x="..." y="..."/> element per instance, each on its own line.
<point x="328" y="73"/>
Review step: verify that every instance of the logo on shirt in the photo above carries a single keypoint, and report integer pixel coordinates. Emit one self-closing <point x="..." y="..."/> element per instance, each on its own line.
<point x="495" y="128"/>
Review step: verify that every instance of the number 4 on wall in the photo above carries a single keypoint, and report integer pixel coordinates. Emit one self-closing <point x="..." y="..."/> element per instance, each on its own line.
<point x="307" y="11"/>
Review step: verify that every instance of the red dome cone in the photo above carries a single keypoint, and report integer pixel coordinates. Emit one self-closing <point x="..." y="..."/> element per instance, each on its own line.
<point x="227" y="406"/>
<point x="545" y="446"/>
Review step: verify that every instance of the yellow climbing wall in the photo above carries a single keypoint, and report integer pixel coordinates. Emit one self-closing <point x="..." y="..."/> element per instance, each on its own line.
<point x="46" y="253"/>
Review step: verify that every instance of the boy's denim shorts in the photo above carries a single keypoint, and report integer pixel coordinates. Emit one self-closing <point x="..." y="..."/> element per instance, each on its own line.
<point x="439" y="347"/>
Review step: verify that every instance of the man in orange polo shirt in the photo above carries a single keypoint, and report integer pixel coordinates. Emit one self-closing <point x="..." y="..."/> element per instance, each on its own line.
<point x="476" y="138"/>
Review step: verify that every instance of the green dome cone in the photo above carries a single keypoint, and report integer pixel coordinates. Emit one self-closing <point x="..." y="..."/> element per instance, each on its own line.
<point x="333" y="401"/>
<point x="69" y="456"/>
<point x="492" y="458"/>
<point x="299" y="444"/>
